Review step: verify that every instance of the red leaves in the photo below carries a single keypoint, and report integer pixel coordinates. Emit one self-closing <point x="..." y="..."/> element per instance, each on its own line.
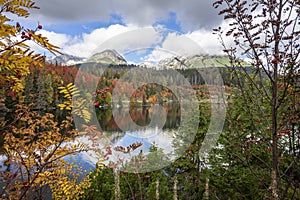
<point x="258" y="142"/>
<point x="128" y="149"/>
<point x="108" y="152"/>
<point x="227" y="10"/>
<point x="216" y="4"/>
<point x="19" y="76"/>
<point x="135" y="145"/>
<point x="122" y="149"/>
<point x="25" y="183"/>
<point x="269" y="150"/>
<point x="229" y="32"/>
<point x="285" y="132"/>
<point x="274" y="61"/>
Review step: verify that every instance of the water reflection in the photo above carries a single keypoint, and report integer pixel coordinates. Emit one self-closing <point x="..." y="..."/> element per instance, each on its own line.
<point x="169" y="127"/>
<point x="150" y="125"/>
<point x="140" y="115"/>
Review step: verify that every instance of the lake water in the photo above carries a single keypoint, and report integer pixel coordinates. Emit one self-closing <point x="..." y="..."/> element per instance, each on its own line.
<point x="150" y="125"/>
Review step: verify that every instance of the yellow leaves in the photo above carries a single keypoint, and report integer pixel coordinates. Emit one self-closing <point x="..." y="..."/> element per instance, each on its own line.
<point x="36" y="148"/>
<point x="21" y="12"/>
<point x="79" y="105"/>
<point x="18" y="84"/>
<point x="44" y="42"/>
<point x="26" y="3"/>
<point x="15" y="55"/>
<point x="70" y="190"/>
<point x="14" y="65"/>
<point x="67" y="186"/>
<point x="68" y="91"/>
<point x="35" y="144"/>
<point x="65" y="106"/>
<point x="18" y="27"/>
<point x="18" y="7"/>
<point x="43" y="178"/>
<point x="81" y="110"/>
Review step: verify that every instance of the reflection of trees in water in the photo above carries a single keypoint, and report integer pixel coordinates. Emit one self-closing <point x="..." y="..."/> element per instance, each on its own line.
<point x="140" y="115"/>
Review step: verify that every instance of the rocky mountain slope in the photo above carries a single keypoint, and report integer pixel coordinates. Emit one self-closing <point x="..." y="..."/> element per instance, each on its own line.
<point x="179" y="62"/>
<point x="108" y="57"/>
<point x="66" y="59"/>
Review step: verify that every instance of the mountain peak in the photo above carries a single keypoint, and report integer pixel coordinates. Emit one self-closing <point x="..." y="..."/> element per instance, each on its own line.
<point x="108" y="56"/>
<point x="66" y="59"/>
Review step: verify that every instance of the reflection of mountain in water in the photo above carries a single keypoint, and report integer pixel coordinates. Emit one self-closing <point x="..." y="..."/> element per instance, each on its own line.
<point x="146" y="133"/>
<point x="142" y="117"/>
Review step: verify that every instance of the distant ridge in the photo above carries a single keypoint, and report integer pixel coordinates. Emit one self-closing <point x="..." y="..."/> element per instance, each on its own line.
<point x="108" y="56"/>
<point x="112" y="57"/>
<point x="66" y="59"/>
<point x="195" y="61"/>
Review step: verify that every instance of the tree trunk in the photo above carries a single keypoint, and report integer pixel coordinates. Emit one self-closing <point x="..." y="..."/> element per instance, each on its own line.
<point x="175" y="188"/>
<point x="117" y="184"/>
<point x="274" y="173"/>
<point x="207" y="188"/>
<point x="157" y="189"/>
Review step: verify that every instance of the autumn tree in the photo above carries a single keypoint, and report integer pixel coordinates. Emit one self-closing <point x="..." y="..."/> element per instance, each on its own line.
<point x="33" y="143"/>
<point x="16" y="56"/>
<point x="267" y="33"/>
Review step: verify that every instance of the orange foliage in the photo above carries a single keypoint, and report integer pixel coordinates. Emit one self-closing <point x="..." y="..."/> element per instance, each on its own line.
<point x="152" y="99"/>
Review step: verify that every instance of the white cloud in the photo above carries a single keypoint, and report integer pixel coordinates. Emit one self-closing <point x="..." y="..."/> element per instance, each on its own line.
<point x="134" y="39"/>
<point x="88" y="42"/>
<point x="57" y="39"/>
<point x="126" y="39"/>
<point x="196" y="42"/>
<point x="158" y="54"/>
<point x="174" y="45"/>
<point x="207" y="41"/>
<point x="192" y="14"/>
<point x="118" y="37"/>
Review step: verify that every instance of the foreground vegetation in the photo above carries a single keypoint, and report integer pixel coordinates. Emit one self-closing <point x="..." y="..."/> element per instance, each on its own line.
<point x="257" y="156"/>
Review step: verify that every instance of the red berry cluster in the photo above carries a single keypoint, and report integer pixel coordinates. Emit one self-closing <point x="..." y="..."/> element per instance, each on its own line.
<point x="96" y="103"/>
<point x="102" y="94"/>
<point x="27" y="35"/>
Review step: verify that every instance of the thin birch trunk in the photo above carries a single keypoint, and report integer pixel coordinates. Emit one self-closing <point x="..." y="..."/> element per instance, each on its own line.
<point x="157" y="189"/>
<point x="117" y="184"/>
<point x="175" y="188"/>
<point x="207" y="188"/>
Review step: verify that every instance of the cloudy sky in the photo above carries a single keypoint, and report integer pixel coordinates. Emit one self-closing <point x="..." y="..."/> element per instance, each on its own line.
<point x="155" y="27"/>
